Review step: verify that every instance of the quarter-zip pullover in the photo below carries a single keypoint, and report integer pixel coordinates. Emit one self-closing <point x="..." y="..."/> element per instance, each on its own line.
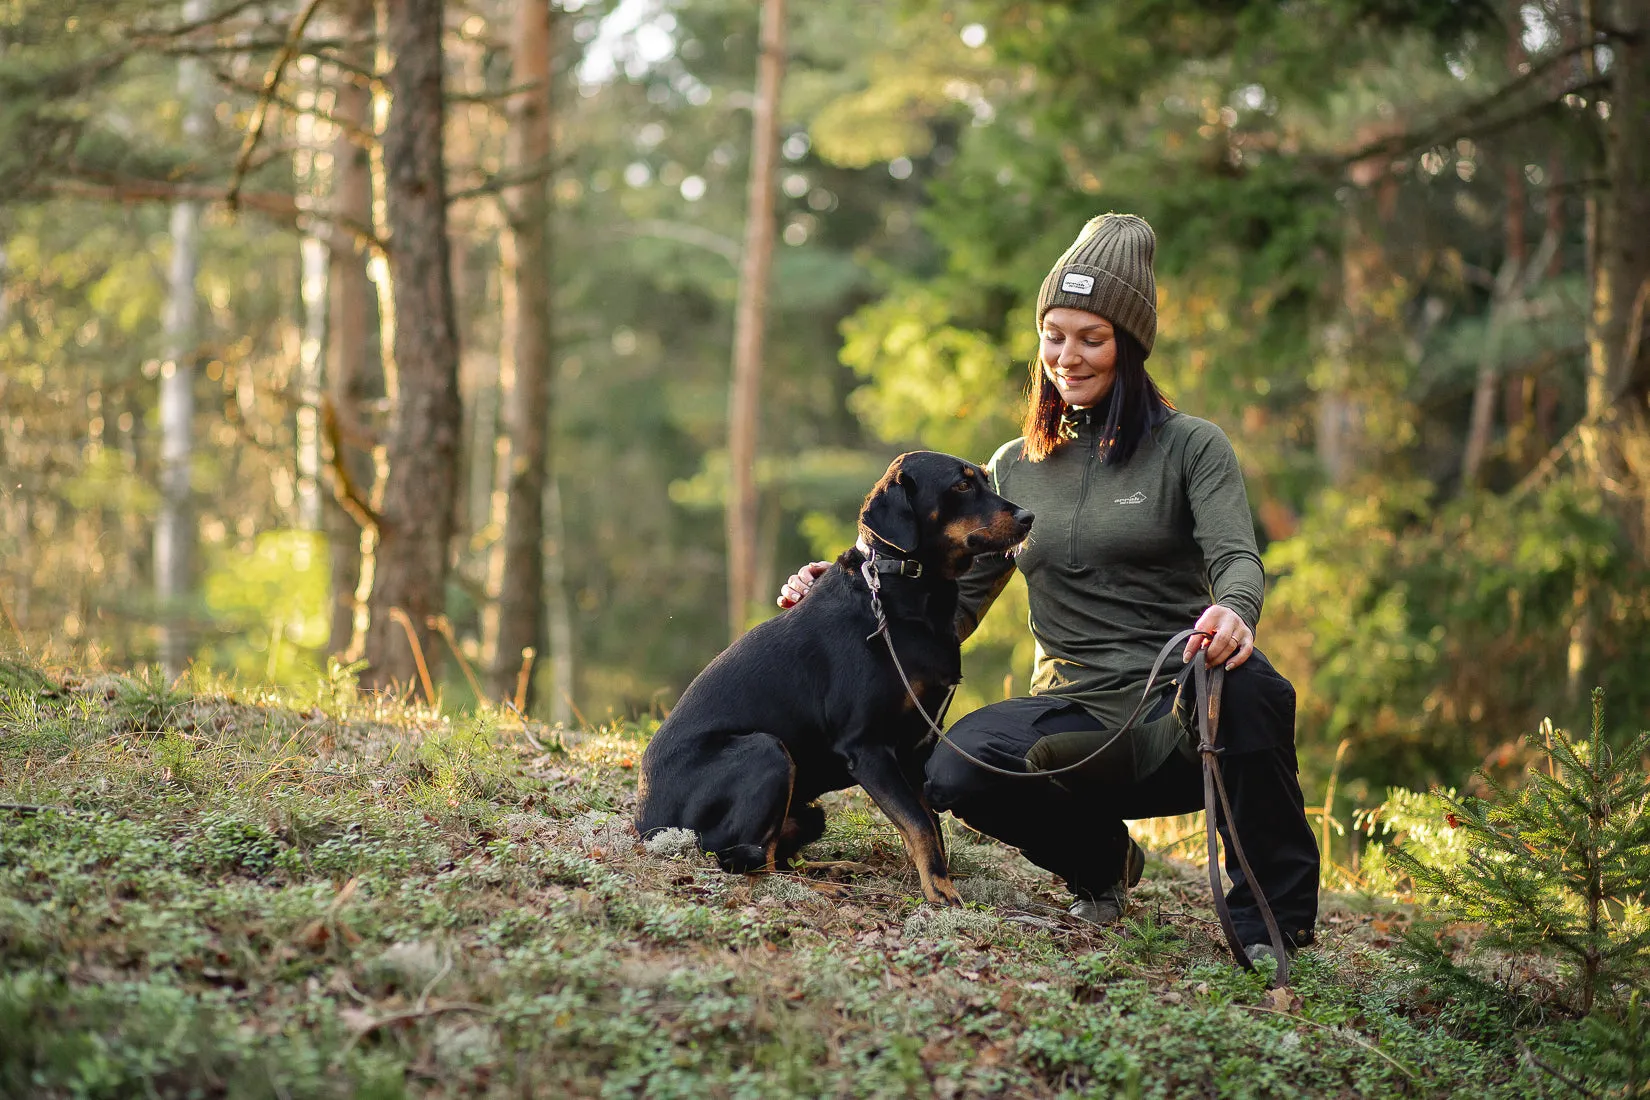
<point x="1121" y="558"/>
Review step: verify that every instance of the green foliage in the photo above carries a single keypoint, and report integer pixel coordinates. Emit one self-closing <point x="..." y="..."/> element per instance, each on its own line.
<point x="1418" y="821"/>
<point x="1429" y="627"/>
<point x="1559" y="867"/>
<point x="929" y="380"/>
<point x="146" y="700"/>
<point x="376" y="899"/>
<point x="270" y="605"/>
<point x="1608" y="1054"/>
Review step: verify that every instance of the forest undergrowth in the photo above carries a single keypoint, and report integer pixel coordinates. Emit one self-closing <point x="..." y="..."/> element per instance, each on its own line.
<point x="208" y="891"/>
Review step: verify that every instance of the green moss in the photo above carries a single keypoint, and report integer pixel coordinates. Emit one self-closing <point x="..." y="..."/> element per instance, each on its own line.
<point x="236" y="900"/>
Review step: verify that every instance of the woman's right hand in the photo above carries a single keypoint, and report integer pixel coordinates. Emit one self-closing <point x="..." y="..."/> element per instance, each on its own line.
<point x="796" y="587"/>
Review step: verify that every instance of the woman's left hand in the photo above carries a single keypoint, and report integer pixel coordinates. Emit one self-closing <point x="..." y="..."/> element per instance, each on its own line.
<point x="1232" y="643"/>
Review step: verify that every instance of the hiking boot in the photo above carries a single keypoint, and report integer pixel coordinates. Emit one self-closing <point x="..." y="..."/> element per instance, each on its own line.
<point x="1261" y="952"/>
<point x="1106" y="906"/>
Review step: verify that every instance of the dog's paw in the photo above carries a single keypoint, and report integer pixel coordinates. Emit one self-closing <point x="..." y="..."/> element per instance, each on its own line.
<point x="942" y="891"/>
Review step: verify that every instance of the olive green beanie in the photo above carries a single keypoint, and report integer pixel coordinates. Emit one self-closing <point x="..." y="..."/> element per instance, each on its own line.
<point x="1108" y="271"/>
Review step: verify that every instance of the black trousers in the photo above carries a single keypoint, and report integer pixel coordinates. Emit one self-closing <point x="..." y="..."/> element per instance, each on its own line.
<point x="1074" y="826"/>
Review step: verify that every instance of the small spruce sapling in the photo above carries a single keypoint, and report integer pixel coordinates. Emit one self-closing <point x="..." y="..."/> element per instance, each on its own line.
<point x="1560" y="867"/>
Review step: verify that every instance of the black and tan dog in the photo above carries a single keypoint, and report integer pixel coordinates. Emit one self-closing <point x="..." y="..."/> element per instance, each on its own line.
<point x="811" y="702"/>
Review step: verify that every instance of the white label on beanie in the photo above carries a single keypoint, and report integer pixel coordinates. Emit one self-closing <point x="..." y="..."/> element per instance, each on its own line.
<point x="1076" y="282"/>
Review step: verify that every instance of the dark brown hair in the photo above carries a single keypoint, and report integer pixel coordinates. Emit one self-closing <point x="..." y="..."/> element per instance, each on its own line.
<point x="1132" y="410"/>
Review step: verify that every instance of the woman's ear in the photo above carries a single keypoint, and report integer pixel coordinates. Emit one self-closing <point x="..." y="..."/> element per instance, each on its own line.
<point x="888" y="513"/>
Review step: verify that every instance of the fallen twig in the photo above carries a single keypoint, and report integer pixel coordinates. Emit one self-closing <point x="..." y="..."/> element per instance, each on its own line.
<point x="1340" y="1031"/>
<point x="444" y="627"/>
<point x="525" y="732"/>
<point x="414" y="1014"/>
<point x="399" y="616"/>
<point x="524" y="677"/>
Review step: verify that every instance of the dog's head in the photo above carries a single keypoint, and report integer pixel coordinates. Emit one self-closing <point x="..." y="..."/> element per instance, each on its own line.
<point x="941" y="511"/>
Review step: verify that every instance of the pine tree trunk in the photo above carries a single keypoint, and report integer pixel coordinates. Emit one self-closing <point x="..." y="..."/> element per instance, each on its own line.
<point x="744" y="399"/>
<point x="558" y="615"/>
<point x="1622" y="304"/>
<point x="416" y="518"/>
<point x="1481" y="425"/>
<point x="349" y="319"/>
<point x="469" y="139"/>
<point x="526" y="363"/>
<point x="1618" y="265"/>
<point x="174" y="545"/>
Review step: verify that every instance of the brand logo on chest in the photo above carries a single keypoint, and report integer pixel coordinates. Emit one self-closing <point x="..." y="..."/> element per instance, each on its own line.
<point x="1136" y="497"/>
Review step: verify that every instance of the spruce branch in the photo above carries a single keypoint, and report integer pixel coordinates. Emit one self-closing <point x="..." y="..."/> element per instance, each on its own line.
<point x="1558" y="867"/>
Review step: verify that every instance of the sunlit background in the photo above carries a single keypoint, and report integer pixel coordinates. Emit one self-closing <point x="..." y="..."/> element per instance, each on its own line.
<point x="1379" y="254"/>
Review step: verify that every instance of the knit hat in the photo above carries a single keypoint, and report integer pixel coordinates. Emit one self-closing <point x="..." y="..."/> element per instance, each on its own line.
<point x="1108" y="271"/>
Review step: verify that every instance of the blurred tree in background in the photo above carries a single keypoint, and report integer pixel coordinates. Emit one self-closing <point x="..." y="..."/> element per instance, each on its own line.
<point x="1400" y="263"/>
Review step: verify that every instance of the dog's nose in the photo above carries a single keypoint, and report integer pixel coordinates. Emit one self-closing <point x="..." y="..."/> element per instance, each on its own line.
<point x="1024" y="517"/>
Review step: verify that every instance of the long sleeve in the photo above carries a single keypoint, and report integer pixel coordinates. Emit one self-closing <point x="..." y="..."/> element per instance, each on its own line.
<point x="1223" y="526"/>
<point x="979" y="588"/>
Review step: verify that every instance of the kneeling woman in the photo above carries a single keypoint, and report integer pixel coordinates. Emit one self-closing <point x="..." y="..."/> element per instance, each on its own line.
<point x="1143" y="527"/>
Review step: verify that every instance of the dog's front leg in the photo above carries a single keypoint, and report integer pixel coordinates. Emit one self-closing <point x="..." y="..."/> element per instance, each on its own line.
<point x="878" y="771"/>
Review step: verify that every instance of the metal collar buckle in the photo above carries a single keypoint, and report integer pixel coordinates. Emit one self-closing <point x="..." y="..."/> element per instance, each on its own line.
<point x="899" y="567"/>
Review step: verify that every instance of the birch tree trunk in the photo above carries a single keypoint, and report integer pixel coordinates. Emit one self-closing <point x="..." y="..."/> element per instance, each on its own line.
<point x="744" y="399"/>
<point x="416" y="517"/>
<point x="174" y="541"/>
<point x="312" y="291"/>
<point x="525" y="363"/>
<point x="349" y="323"/>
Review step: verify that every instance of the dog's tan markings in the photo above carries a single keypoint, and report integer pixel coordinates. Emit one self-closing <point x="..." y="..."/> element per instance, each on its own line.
<point x="771" y="848"/>
<point x="958" y="530"/>
<point x="927" y="852"/>
<point x="1004" y="529"/>
<point x="920" y="688"/>
<point x="968" y="472"/>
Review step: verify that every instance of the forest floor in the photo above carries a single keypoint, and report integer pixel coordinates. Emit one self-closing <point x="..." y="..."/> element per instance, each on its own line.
<point x="222" y="894"/>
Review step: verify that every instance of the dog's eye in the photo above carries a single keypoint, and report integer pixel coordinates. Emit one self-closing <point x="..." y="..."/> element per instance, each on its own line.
<point x="963" y="487"/>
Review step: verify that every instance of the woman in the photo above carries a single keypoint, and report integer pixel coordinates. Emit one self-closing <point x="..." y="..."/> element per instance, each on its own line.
<point x="1143" y="527"/>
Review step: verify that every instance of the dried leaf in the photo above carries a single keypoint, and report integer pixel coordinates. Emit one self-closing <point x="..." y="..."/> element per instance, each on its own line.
<point x="1282" y="1000"/>
<point x="357" y="1020"/>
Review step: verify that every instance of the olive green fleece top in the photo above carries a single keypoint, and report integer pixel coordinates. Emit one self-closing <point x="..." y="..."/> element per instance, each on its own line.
<point x="1122" y="558"/>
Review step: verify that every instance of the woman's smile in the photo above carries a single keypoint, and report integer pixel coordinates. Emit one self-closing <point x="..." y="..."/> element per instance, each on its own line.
<point x="1079" y="354"/>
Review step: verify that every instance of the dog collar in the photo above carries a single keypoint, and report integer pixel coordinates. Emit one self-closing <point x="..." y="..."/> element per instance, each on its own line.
<point x="899" y="567"/>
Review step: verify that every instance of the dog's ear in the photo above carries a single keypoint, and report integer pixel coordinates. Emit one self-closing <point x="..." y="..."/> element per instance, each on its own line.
<point x="888" y="513"/>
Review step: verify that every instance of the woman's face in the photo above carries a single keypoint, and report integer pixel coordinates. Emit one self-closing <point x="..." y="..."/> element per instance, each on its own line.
<point x="1079" y="354"/>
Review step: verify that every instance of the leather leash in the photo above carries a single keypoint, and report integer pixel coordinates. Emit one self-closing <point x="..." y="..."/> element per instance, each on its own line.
<point x="1207" y="686"/>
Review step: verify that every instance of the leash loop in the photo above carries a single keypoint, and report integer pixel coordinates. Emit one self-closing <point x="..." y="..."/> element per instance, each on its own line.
<point x="1208" y="685"/>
